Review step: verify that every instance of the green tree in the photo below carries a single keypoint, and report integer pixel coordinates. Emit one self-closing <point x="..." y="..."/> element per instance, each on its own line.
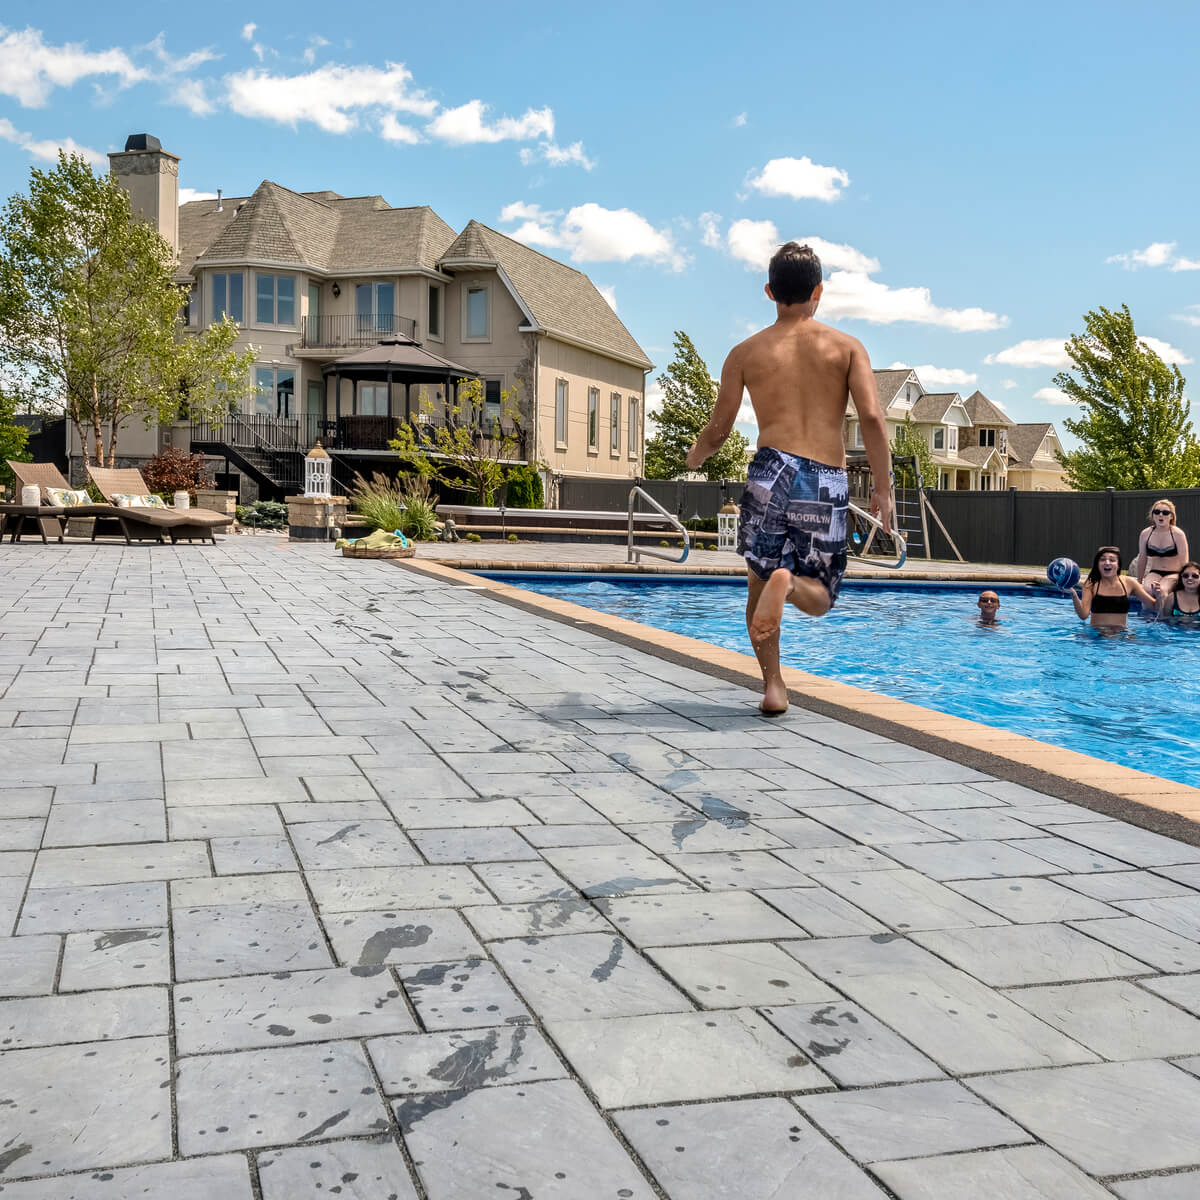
<point x="464" y="451"/>
<point x="12" y="437"/>
<point x="89" y="313"/>
<point x="689" y="396"/>
<point x="909" y="442"/>
<point x="1133" y="426"/>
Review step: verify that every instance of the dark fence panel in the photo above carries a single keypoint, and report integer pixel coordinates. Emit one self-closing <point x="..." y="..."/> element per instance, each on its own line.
<point x="1031" y="528"/>
<point x="683" y="498"/>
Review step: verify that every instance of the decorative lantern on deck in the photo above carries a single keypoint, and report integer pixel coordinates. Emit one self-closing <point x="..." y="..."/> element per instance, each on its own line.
<point x="727" y="527"/>
<point x="318" y="472"/>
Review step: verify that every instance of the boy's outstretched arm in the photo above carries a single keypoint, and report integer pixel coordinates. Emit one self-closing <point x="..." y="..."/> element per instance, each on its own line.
<point x="720" y="424"/>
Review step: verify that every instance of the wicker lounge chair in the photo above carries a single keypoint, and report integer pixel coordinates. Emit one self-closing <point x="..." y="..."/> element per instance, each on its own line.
<point x="189" y="524"/>
<point x="108" y="518"/>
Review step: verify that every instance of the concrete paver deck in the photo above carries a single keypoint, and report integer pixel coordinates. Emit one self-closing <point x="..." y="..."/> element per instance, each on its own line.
<point x="320" y="874"/>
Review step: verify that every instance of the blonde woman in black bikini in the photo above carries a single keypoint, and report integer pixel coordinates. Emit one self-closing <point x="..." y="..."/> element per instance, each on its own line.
<point x="1105" y="593"/>
<point x="1182" y="603"/>
<point x="1162" y="550"/>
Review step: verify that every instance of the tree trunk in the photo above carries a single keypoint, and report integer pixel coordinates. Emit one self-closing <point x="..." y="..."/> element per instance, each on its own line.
<point x="97" y="429"/>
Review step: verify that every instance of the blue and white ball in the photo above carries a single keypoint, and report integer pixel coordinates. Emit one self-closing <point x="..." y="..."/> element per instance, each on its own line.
<point x="1063" y="573"/>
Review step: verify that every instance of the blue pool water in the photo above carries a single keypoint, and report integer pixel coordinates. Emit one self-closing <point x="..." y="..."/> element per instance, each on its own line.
<point x="1131" y="698"/>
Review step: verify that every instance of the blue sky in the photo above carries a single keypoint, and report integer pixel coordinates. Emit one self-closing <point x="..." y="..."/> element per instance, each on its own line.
<point x="978" y="176"/>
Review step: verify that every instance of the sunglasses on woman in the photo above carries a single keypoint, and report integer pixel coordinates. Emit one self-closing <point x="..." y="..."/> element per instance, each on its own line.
<point x="1189" y="577"/>
<point x="1161" y="512"/>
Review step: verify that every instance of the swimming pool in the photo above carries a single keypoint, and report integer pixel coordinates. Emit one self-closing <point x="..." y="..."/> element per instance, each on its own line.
<point x="1129" y="698"/>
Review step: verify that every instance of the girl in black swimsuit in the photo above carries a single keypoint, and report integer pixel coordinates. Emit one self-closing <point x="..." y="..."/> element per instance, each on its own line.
<point x="1105" y="594"/>
<point x="1162" y="550"/>
<point x="1182" y="603"/>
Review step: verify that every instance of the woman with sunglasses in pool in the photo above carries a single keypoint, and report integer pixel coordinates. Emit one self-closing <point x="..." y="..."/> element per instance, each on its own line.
<point x="1105" y="593"/>
<point x="1162" y="550"/>
<point x="1182" y="602"/>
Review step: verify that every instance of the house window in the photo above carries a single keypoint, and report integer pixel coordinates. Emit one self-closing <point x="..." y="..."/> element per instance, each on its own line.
<point x="952" y="438"/>
<point x="560" y="413"/>
<point x="314" y="305"/>
<point x="491" y="402"/>
<point x="274" y="390"/>
<point x="614" y="435"/>
<point x="945" y="480"/>
<point x="985" y="483"/>
<point x="634" y="427"/>
<point x="939" y="438"/>
<point x="190" y="313"/>
<point x="375" y="307"/>
<point x="227" y="297"/>
<point x="476" y="317"/>
<point x="593" y="419"/>
<point x="435" y="311"/>
<point x="274" y="299"/>
<point x="373" y="400"/>
<point x="857" y="442"/>
<point x="987" y="437"/>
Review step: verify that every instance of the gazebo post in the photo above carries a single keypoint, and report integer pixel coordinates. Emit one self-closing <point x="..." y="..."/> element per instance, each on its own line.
<point x="407" y="402"/>
<point x="389" y="382"/>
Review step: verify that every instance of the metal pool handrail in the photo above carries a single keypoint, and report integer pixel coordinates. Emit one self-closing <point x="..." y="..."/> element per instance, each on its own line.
<point x="896" y="536"/>
<point x="634" y="554"/>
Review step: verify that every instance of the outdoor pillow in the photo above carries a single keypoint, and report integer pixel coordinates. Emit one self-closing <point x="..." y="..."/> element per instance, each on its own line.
<point x="132" y="500"/>
<point x="66" y="497"/>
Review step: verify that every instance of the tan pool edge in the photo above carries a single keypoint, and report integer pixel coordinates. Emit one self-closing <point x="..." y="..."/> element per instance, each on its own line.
<point x="1149" y="801"/>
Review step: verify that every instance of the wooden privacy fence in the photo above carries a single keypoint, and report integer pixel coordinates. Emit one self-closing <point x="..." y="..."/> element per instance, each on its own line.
<point x="684" y="497"/>
<point x="1031" y="528"/>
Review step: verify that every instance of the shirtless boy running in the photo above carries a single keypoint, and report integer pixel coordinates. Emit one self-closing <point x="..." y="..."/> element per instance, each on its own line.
<point x="793" y="522"/>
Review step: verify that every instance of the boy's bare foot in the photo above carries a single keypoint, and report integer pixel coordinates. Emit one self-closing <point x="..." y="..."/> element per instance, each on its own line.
<point x="768" y="613"/>
<point x="775" y="700"/>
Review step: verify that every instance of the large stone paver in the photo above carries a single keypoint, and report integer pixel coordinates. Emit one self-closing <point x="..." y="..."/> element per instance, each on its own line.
<point x="319" y="874"/>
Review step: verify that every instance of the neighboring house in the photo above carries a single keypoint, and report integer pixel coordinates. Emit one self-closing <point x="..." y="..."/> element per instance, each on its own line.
<point x="361" y="314"/>
<point x="975" y="445"/>
<point x="1033" y="458"/>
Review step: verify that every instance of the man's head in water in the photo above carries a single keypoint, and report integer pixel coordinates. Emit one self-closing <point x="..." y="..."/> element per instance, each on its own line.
<point x="989" y="606"/>
<point x="794" y="276"/>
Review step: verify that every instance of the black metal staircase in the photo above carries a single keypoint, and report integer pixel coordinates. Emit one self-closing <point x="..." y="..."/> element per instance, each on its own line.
<point x="267" y="449"/>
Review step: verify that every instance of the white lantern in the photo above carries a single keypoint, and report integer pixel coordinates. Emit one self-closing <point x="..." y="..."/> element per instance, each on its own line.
<point x="318" y="472"/>
<point x="31" y="497"/>
<point x="183" y="501"/>
<point x="727" y="527"/>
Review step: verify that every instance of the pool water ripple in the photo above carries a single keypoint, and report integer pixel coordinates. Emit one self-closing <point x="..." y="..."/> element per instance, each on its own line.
<point x="1130" y="698"/>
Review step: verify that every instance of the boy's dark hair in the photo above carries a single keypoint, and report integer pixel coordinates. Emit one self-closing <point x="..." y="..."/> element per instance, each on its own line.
<point x="794" y="272"/>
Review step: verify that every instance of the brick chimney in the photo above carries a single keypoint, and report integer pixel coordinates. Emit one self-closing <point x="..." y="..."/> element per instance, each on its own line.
<point x="151" y="177"/>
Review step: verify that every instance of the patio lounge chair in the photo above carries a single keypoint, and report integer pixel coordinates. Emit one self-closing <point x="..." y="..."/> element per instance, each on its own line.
<point x="195" y="522"/>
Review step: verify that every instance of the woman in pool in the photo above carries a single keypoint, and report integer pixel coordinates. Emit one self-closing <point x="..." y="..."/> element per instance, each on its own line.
<point x="1162" y="550"/>
<point x="1182" y="602"/>
<point x="1105" y="593"/>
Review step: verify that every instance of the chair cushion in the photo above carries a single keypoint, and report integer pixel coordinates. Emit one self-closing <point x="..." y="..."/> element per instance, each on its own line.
<point x="131" y="500"/>
<point x="65" y="497"/>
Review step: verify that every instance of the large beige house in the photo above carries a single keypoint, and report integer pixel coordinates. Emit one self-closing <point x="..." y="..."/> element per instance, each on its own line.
<point x="360" y="315"/>
<point x="975" y="446"/>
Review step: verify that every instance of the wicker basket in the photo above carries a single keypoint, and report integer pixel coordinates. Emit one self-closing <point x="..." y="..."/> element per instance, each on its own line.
<point x="384" y="552"/>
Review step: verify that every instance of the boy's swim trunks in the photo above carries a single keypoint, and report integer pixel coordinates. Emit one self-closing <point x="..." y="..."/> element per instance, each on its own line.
<point x="794" y="516"/>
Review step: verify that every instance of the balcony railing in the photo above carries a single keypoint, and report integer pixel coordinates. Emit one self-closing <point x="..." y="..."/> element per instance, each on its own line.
<point x="297" y="435"/>
<point x="352" y="332"/>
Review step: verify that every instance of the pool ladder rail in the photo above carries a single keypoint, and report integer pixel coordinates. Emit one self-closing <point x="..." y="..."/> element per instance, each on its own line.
<point x="876" y="526"/>
<point x="634" y="553"/>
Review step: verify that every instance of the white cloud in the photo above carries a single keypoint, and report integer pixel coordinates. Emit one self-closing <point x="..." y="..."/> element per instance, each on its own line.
<point x="173" y="65"/>
<point x="556" y="155"/>
<point x="315" y="43"/>
<point x="392" y="130"/>
<point x="1009" y="384"/>
<point x="710" y="230"/>
<point x="593" y="233"/>
<point x="187" y="195"/>
<point x="850" y="292"/>
<point x="193" y="95"/>
<point x="1168" y="353"/>
<point x="610" y="294"/>
<point x="1190" y="315"/>
<point x="1053" y="395"/>
<point x="746" y="416"/>
<point x="248" y="31"/>
<point x="739" y="120"/>
<point x="329" y="97"/>
<point x="1157" y="254"/>
<point x="933" y="376"/>
<point x="799" y="178"/>
<point x="47" y="150"/>
<point x="1033" y="352"/>
<point x="654" y="400"/>
<point x="30" y="69"/>
<point x="468" y="124"/>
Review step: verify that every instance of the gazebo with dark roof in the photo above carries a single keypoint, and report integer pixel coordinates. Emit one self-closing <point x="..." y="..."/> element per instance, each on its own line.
<point x="395" y="360"/>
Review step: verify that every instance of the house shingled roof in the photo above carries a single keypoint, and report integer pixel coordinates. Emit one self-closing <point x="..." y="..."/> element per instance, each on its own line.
<point x="983" y="412"/>
<point x="561" y="299"/>
<point x="933" y="406"/>
<point x="1024" y="440"/>
<point x="889" y="382"/>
